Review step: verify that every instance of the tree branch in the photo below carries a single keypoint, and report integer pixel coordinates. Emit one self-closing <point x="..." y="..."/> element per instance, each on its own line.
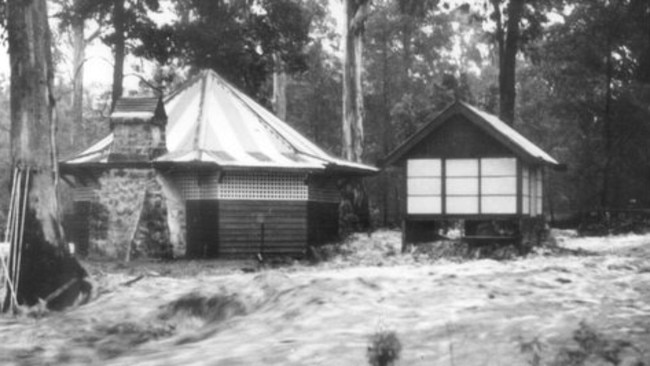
<point x="94" y="35"/>
<point x="360" y="16"/>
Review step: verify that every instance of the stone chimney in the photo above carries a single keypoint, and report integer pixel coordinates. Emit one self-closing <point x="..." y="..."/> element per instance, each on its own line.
<point x="138" y="126"/>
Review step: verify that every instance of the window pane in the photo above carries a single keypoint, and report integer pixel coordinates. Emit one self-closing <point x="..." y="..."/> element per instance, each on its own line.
<point x="424" y="186"/>
<point x="423" y="168"/>
<point x="462" y="167"/>
<point x="462" y="205"/>
<point x="462" y="186"/>
<point x="499" y="185"/>
<point x="499" y="167"/>
<point x="424" y="205"/>
<point x="525" y="205"/>
<point x="499" y="205"/>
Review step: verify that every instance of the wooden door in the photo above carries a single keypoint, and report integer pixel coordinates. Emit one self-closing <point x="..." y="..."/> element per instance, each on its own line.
<point x="202" y="218"/>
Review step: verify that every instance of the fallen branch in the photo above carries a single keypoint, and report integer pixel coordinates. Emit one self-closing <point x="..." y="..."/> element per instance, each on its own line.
<point x="132" y="281"/>
<point x="59" y="291"/>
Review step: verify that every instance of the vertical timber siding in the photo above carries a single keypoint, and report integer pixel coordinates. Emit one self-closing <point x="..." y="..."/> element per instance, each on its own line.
<point x="202" y="230"/>
<point x="247" y="227"/>
<point x="323" y="222"/>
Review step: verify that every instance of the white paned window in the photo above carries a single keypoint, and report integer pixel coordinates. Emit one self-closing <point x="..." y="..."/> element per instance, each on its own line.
<point x="424" y="186"/>
<point x="499" y="186"/>
<point x="525" y="195"/>
<point x="538" y="192"/>
<point x="533" y="192"/>
<point x="462" y="186"/>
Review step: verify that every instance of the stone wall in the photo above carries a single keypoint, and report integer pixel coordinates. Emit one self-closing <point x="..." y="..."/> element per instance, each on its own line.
<point x="130" y="217"/>
<point x="135" y="142"/>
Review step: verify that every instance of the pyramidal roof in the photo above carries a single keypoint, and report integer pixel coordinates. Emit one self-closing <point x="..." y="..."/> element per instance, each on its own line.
<point x="212" y="122"/>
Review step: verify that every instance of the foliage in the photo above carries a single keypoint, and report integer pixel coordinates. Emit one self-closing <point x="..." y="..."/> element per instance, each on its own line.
<point x="238" y="39"/>
<point x="314" y="103"/>
<point x="384" y="348"/>
<point x="136" y="16"/>
<point x="592" y="113"/>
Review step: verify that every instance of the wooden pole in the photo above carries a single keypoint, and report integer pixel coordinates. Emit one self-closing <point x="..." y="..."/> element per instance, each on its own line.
<point x="22" y="212"/>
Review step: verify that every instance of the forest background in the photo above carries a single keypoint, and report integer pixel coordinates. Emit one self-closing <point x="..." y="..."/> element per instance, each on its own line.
<point x="582" y="77"/>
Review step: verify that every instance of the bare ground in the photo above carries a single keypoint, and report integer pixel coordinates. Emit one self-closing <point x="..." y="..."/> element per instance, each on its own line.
<point x="586" y="301"/>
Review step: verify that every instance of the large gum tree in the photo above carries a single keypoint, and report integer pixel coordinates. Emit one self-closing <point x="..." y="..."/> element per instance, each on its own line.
<point x="42" y="268"/>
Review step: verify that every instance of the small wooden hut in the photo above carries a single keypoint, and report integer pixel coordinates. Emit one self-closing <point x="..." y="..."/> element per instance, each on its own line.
<point x="237" y="181"/>
<point x="468" y="166"/>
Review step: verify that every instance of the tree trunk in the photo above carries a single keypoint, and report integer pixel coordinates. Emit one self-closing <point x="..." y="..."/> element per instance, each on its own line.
<point x="279" y="88"/>
<point x="407" y="35"/>
<point x="119" y="50"/>
<point x="39" y="254"/>
<point x="79" y="50"/>
<point x="508" y="44"/>
<point x="353" y="109"/>
<point x="500" y="38"/>
<point x="386" y="127"/>
<point x="608" y="133"/>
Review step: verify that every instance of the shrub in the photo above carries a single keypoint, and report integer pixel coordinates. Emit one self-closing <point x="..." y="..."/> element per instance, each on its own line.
<point x="384" y="348"/>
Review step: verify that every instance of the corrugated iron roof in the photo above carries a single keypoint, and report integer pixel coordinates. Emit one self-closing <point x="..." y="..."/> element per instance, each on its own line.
<point x="210" y="121"/>
<point x="506" y="130"/>
<point x="491" y="124"/>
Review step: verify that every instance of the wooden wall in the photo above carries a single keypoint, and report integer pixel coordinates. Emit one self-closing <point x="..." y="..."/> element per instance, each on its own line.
<point x="458" y="138"/>
<point x="202" y="235"/>
<point x="240" y="227"/>
<point x="323" y="222"/>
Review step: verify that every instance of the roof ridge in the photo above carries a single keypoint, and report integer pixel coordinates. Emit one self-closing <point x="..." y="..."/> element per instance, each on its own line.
<point x="184" y="86"/>
<point x="233" y="90"/>
<point x="199" y="115"/>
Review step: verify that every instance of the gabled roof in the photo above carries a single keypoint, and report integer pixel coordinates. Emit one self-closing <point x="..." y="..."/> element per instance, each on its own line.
<point x="490" y="124"/>
<point x="212" y="122"/>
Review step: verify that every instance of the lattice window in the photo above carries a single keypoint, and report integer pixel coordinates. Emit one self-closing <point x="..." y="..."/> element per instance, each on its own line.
<point x="263" y="186"/>
<point x="195" y="186"/>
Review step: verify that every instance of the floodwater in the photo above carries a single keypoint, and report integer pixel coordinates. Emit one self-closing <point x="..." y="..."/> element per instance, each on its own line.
<point x="533" y="310"/>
